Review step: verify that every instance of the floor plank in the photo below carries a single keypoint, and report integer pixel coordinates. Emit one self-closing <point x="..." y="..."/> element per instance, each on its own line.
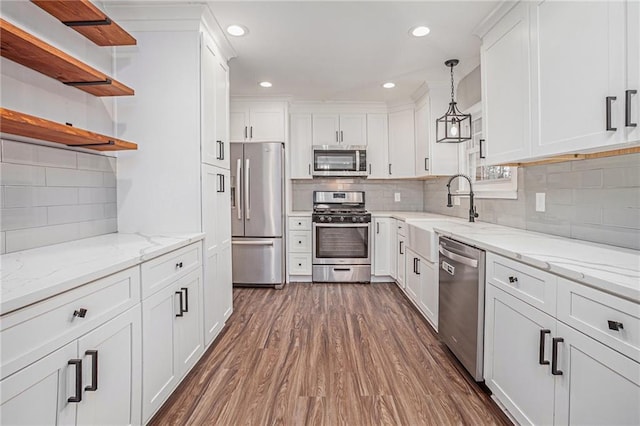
<point x="328" y="354"/>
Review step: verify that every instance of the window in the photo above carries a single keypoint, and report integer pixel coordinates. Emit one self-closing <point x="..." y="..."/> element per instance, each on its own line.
<point x="488" y="181"/>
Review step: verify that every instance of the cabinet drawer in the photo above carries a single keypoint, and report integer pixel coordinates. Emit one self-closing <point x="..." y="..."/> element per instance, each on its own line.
<point x="163" y="270"/>
<point x="300" y="264"/>
<point x="300" y="241"/>
<point x="402" y="228"/>
<point x="529" y="284"/>
<point x="32" y="332"/>
<point x="590" y="310"/>
<point x="300" y="223"/>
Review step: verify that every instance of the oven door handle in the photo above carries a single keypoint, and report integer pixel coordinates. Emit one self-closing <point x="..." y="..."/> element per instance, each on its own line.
<point x="341" y="225"/>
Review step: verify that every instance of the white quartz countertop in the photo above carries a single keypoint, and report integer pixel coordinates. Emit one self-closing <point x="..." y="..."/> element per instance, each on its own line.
<point x="30" y="276"/>
<point x="404" y="216"/>
<point x="612" y="269"/>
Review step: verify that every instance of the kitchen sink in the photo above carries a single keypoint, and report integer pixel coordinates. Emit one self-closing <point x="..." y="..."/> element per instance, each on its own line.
<point x="422" y="239"/>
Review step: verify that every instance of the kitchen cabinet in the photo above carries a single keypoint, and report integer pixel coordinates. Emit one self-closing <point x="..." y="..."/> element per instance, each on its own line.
<point x="393" y="254"/>
<point x="540" y="364"/>
<point x="333" y="129"/>
<point x="257" y="121"/>
<point x="216" y="223"/>
<point x="172" y="339"/>
<point x="412" y="277"/>
<point x="214" y="77"/>
<point x="401" y="144"/>
<point x="382" y="245"/>
<point x="506" y="96"/>
<point x="100" y="370"/>
<point x="432" y="158"/>
<point x="299" y="246"/>
<point x="422" y="285"/>
<point x="300" y="147"/>
<point x="378" y="145"/>
<point x="569" y="55"/>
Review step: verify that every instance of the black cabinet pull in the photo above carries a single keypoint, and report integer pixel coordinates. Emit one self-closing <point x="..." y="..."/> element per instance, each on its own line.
<point x="181" y="314"/>
<point x="609" y="100"/>
<point x="341" y="136"/>
<point x="543" y="333"/>
<point x="377" y="227"/>
<point x="309" y="168"/>
<point x="615" y="325"/>
<point x="426" y="164"/>
<point x="222" y="150"/>
<point x="80" y="313"/>
<point x="389" y="168"/>
<point x="220" y="183"/>
<point x="245" y="132"/>
<point x="179" y="265"/>
<point x="251" y="132"/>
<point x="94" y="370"/>
<point x="417" y="266"/>
<point x="513" y="279"/>
<point x="554" y="356"/>
<point x="337" y="139"/>
<point x="627" y="108"/>
<point x="401" y="242"/>
<point x="369" y="168"/>
<point x="219" y="154"/>
<point x="481" y="150"/>
<point x="78" y="396"/>
<point x="186" y="299"/>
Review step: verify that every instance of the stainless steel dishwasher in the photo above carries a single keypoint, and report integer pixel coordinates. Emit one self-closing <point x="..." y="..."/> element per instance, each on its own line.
<point x="461" y="303"/>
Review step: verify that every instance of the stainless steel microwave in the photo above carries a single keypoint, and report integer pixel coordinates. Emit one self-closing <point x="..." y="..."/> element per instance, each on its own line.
<point x="339" y="160"/>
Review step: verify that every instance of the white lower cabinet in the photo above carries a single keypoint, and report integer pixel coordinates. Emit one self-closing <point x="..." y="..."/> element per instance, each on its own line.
<point x="94" y="380"/>
<point x="422" y="285"/>
<point x="299" y="246"/>
<point x="382" y="247"/>
<point x="544" y="371"/>
<point x="172" y="338"/>
<point x="412" y="277"/>
<point x="401" y="261"/>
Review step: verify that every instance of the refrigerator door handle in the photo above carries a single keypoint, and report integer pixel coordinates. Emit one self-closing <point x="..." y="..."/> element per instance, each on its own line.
<point x="238" y="179"/>
<point x="247" y="194"/>
<point x="252" y="243"/>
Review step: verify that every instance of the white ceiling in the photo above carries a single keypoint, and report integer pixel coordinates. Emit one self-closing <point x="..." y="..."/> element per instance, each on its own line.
<point x="344" y="51"/>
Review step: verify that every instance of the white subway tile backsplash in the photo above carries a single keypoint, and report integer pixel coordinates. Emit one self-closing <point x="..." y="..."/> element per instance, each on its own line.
<point x="77" y="213"/>
<point x="97" y="227"/>
<point x="19" y="174"/>
<point x="622" y="177"/>
<point x="50" y="195"/>
<point x="622" y="217"/>
<point x="38" y="196"/>
<point x="23" y="218"/>
<point x="99" y="163"/>
<point x="24" y="239"/>
<point x="77" y="178"/>
<point x="3" y="247"/>
<point x="24" y="153"/>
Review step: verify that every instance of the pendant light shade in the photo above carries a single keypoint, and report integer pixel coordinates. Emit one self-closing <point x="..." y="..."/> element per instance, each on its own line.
<point x="453" y="126"/>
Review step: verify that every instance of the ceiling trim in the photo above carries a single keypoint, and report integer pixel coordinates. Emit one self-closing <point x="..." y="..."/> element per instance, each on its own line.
<point x="493" y="17"/>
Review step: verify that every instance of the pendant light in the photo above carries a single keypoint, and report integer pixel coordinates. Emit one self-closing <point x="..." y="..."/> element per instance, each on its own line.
<point x="453" y="126"/>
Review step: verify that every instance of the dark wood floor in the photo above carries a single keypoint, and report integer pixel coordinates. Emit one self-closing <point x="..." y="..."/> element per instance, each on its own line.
<point x="327" y="354"/>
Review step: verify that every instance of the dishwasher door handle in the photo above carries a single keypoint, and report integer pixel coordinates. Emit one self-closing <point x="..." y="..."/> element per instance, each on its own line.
<point x="458" y="258"/>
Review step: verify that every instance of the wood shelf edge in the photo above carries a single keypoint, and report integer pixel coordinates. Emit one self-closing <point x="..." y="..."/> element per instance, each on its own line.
<point x="70" y="12"/>
<point x="575" y="157"/>
<point x="21" y="124"/>
<point x="28" y="50"/>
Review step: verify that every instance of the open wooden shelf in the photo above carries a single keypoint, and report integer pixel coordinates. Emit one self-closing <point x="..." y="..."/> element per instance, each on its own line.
<point x="17" y="123"/>
<point x="23" y="48"/>
<point x="84" y="17"/>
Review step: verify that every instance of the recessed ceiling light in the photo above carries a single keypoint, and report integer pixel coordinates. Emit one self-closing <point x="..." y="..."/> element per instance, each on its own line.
<point x="389" y="85"/>
<point x="237" y="30"/>
<point x="419" y="31"/>
<point x="265" y="84"/>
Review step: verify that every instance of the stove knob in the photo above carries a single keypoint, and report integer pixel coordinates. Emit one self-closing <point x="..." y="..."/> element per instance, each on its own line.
<point x="354" y="219"/>
<point x="321" y="218"/>
<point x="362" y="219"/>
<point x="329" y="219"/>
<point x="341" y="218"/>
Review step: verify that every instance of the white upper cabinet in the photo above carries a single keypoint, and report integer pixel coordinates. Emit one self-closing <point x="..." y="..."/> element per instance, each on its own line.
<point x="332" y="129"/>
<point x="578" y="68"/>
<point x="257" y="121"/>
<point x="505" y="87"/>
<point x="423" y="160"/>
<point x="401" y="144"/>
<point x="300" y="155"/>
<point x="214" y="106"/>
<point x="378" y="146"/>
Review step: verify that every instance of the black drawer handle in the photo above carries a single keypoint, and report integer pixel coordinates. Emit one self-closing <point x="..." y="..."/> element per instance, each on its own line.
<point x="513" y="279"/>
<point x="180" y="295"/>
<point x="615" y="325"/>
<point x="78" y="396"/>
<point x="543" y="334"/>
<point x="179" y="265"/>
<point x="186" y="298"/>
<point x="609" y="100"/>
<point x="80" y="313"/>
<point x="94" y="370"/>
<point x="554" y="356"/>
<point x="401" y="242"/>
<point x="627" y="108"/>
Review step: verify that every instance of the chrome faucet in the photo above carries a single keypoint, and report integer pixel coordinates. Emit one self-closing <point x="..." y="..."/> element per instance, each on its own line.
<point x="472" y="208"/>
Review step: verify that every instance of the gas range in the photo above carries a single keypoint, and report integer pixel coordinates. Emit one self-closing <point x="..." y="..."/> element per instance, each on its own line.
<point x="339" y="207"/>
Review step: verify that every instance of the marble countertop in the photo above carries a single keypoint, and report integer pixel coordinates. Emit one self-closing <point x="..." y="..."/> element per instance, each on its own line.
<point x="404" y="216"/>
<point x="30" y="276"/>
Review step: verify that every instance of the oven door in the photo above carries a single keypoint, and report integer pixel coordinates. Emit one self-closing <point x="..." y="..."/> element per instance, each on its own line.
<point x="339" y="161"/>
<point x="341" y="244"/>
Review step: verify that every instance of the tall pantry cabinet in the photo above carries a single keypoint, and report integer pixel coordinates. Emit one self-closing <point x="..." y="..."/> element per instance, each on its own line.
<point x="178" y="181"/>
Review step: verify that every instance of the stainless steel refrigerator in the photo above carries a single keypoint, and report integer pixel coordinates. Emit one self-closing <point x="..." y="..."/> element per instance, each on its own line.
<point x="257" y="213"/>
